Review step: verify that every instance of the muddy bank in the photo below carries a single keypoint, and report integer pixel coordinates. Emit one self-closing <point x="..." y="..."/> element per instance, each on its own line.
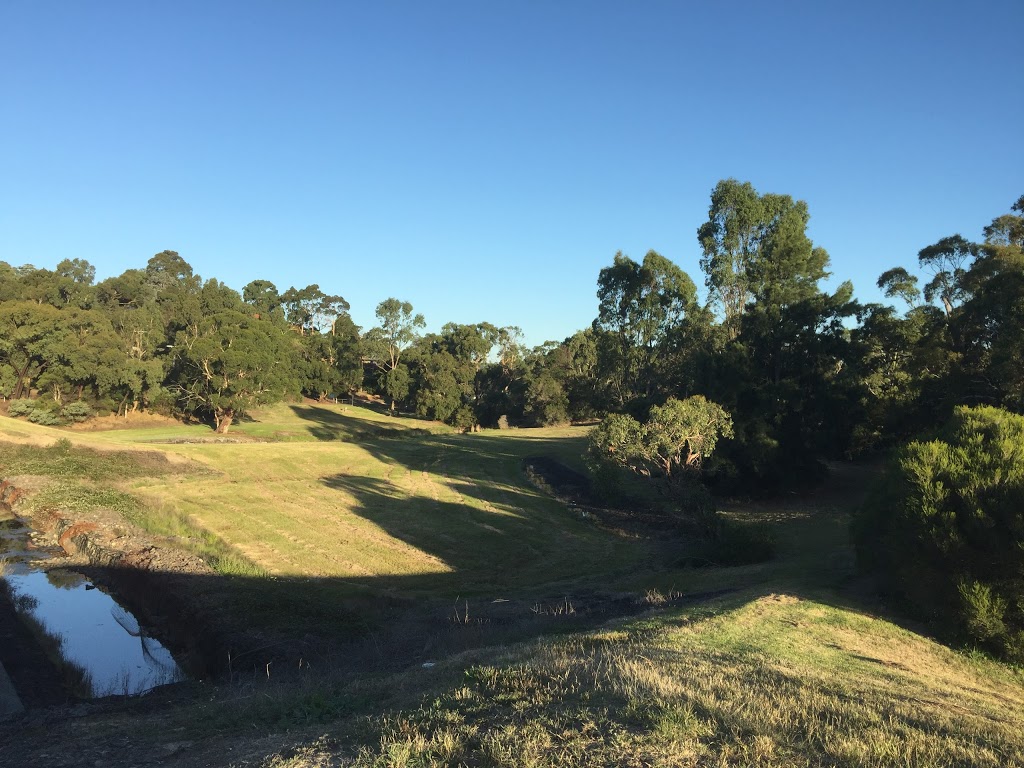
<point x="36" y="679"/>
<point x="147" y="577"/>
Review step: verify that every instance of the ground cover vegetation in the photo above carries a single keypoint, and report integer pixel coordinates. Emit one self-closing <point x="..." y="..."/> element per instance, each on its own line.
<point x="399" y="501"/>
<point x="782" y="664"/>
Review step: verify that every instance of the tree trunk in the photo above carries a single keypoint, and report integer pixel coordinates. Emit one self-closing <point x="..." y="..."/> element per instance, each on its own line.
<point x="223" y="420"/>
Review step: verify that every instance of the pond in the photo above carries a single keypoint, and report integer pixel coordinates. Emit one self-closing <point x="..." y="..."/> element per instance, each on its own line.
<point x="99" y="646"/>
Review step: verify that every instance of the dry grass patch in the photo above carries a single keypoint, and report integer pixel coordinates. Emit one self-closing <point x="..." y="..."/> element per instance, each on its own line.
<point x="777" y="681"/>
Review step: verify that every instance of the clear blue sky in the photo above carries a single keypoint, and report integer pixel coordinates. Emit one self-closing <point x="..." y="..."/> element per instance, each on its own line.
<point x="485" y="160"/>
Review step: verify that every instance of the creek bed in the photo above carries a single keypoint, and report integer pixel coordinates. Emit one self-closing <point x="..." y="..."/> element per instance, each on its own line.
<point x="98" y="646"/>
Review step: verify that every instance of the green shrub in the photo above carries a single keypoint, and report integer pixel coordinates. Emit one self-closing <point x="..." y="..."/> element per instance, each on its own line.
<point x="45" y="412"/>
<point x="983" y="612"/>
<point x="76" y="411"/>
<point x="945" y="527"/>
<point x="20" y="408"/>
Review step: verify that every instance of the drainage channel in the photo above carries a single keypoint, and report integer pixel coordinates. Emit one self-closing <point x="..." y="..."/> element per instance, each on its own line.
<point x="98" y="646"/>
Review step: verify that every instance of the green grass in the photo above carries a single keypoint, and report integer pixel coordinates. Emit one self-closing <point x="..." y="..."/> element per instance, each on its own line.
<point x="316" y="491"/>
<point x="381" y="502"/>
<point x="789" y="669"/>
<point x="771" y="681"/>
<point x="85" y="480"/>
<point x="62" y="458"/>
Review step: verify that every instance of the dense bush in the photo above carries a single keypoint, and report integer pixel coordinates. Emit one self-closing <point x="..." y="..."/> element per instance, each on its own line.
<point x="20" y="407"/>
<point x="945" y="528"/>
<point x="49" y="413"/>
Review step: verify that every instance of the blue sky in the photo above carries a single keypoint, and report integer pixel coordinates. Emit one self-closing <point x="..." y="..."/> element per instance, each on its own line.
<point x="485" y="160"/>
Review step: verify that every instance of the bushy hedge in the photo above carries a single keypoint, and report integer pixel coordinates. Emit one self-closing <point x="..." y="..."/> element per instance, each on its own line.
<point x="945" y="528"/>
<point x="48" y="413"/>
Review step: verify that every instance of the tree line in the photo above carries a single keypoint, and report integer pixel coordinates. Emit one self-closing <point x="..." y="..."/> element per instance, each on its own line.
<point x="771" y="372"/>
<point x="805" y="373"/>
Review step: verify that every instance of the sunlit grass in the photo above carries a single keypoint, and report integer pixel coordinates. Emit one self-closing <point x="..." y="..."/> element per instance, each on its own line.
<point x="770" y="681"/>
<point x="310" y="490"/>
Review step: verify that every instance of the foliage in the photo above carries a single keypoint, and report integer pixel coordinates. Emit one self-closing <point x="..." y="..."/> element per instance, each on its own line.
<point x="384" y="344"/>
<point x="670" y="448"/>
<point x="643" y="310"/>
<point x="946" y="527"/>
<point x="756" y="250"/>
<point x="230" y="364"/>
<point x="308" y="309"/>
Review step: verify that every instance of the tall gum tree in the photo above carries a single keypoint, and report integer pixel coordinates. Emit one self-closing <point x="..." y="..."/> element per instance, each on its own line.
<point x="756" y="249"/>
<point x="383" y="345"/>
<point x="231" y="364"/>
<point x="641" y="307"/>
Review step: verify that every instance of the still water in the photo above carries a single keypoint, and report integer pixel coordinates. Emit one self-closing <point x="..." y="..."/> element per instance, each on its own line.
<point x="92" y="634"/>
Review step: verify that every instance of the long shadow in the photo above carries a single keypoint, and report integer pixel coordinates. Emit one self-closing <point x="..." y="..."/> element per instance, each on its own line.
<point x="265" y="634"/>
<point x="502" y="563"/>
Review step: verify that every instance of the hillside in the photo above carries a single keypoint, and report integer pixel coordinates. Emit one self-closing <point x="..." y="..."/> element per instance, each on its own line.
<point x="348" y="522"/>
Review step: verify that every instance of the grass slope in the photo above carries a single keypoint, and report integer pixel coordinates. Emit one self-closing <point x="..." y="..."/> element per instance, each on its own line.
<point x="773" y="680"/>
<point x="321" y="491"/>
<point x="790" y="669"/>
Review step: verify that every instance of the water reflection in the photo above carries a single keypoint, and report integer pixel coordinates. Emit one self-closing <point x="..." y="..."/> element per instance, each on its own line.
<point x="96" y="638"/>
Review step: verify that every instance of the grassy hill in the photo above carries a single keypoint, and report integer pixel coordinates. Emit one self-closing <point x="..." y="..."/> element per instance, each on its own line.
<point x="790" y="662"/>
<point x="321" y="492"/>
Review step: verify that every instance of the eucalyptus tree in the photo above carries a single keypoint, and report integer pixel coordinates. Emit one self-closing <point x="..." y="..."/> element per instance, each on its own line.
<point x="230" y="363"/>
<point x="310" y="310"/>
<point x="384" y="344"/>
<point x="781" y="361"/>
<point x="264" y="299"/>
<point x="330" y="363"/>
<point x="643" y="306"/>
<point x="948" y="261"/>
<point x="446" y="371"/>
<point x="756" y="250"/>
<point x="29" y="335"/>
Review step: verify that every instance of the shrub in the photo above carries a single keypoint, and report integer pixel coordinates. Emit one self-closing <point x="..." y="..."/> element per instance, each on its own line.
<point x="45" y="412"/>
<point x="46" y="418"/>
<point x="20" y="408"/>
<point x="76" y="411"/>
<point x="945" y="528"/>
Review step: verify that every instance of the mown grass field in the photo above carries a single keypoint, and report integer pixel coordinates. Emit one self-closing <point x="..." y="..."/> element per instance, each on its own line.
<point x="337" y="493"/>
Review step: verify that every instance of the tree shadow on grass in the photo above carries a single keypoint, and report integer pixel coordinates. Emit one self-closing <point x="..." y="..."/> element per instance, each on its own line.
<point x="269" y="630"/>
